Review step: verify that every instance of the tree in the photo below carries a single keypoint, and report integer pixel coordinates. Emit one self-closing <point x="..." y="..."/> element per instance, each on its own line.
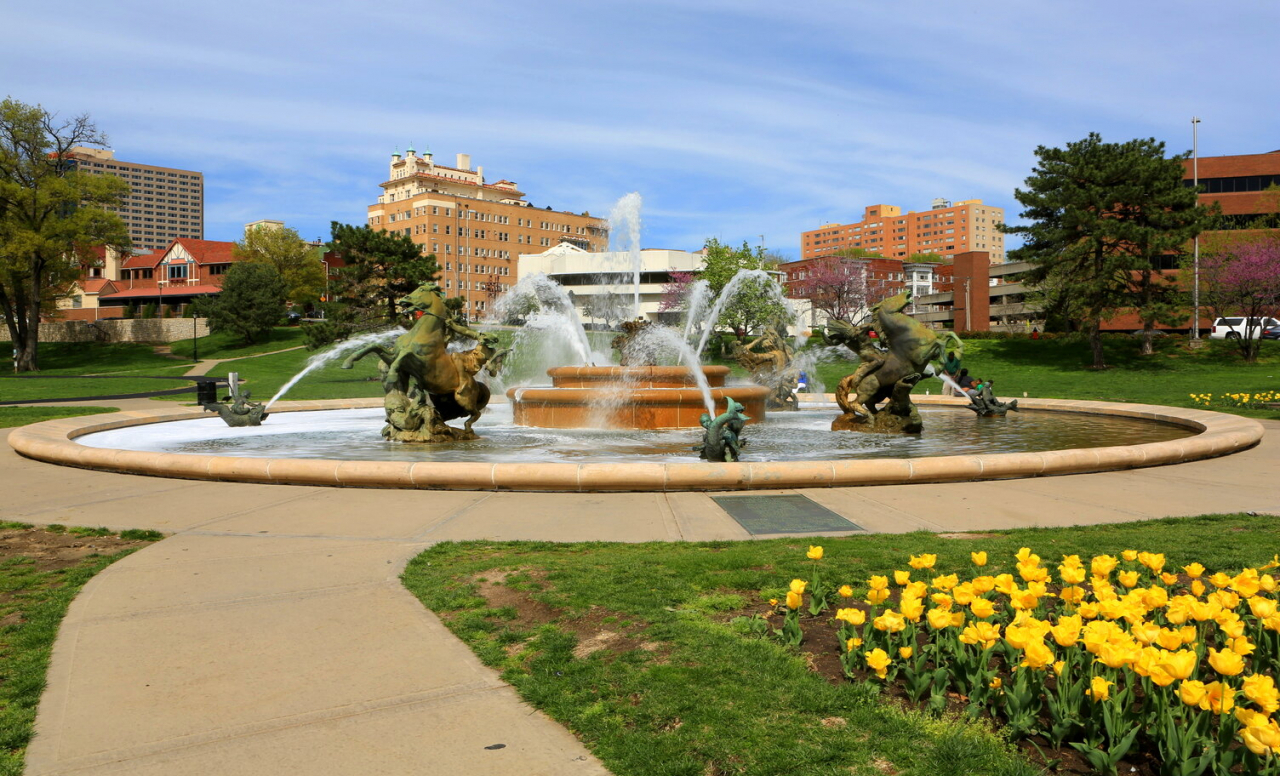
<point x="754" y="302"/>
<point x="298" y="263"/>
<point x="380" y="267"/>
<point x="610" y="307"/>
<point x="51" y="214"/>
<point x="1243" y="277"/>
<point x="250" y="303"/>
<point x="834" y="286"/>
<point x="1104" y="218"/>
<point x="675" y="292"/>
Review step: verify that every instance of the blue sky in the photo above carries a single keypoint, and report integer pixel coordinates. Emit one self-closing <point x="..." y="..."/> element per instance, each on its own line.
<point x="732" y="119"/>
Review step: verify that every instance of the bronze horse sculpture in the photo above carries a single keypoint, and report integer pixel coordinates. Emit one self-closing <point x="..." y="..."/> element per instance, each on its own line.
<point x="426" y="384"/>
<point x="911" y="348"/>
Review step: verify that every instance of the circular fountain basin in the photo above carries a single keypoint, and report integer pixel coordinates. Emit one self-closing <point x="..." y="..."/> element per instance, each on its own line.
<point x="300" y="445"/>
<point x="630" y="397"/>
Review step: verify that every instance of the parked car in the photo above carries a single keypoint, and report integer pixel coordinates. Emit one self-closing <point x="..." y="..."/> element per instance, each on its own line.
<point x="1235" y="328"/>
<point x="1271" y="333"/>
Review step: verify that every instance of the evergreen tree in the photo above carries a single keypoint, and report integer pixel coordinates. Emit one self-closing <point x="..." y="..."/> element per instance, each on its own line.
<point x="251" y="301"/>
<point x="51" y="214"/>
<point x="380" y="267"/>
<point x="1105" y="218"/>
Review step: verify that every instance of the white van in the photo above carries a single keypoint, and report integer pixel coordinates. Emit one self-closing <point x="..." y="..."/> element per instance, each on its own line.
<point x="1235" y="328"/>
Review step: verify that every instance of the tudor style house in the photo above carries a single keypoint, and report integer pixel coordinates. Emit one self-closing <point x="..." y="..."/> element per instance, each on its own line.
<point x="172" y="277"/>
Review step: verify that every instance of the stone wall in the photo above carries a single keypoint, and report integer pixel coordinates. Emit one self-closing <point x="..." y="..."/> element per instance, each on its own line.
<point x="120" y="330"/>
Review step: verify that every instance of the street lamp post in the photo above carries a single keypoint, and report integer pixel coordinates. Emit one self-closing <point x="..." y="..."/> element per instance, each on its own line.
<point x="195" y="336"/>
<point x="1195" y="261"/>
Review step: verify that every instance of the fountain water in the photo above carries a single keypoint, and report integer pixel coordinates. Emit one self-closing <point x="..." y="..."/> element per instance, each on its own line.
<point x="695" y="309"/>
<point x="340" y="349"/>
<point x="655" y="341"/>
<point x="624" y="238"/>
<point x="745" y="280"/>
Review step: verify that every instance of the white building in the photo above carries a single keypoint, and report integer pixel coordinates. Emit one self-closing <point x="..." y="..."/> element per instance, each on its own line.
<point x="599" y="281"/>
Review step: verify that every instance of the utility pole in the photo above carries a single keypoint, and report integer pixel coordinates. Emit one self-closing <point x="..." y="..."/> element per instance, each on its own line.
<point x="1195" y="273"/>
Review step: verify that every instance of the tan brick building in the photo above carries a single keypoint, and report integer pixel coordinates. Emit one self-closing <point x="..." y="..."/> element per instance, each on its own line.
<point x="164" y="203"/>
<point x="945" y="230"/>
<point x="476" y="229"/>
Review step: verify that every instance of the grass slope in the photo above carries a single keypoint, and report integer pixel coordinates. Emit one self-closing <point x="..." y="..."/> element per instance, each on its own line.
<point x="22" y="389"/>
<point x="21" y="416"/>
<point x="224" y="345"/>
<point x="713" y="699"/>
<point x="93" y="358"/>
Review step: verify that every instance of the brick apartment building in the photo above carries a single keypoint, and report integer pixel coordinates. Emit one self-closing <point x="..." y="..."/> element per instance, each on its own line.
<point x="945" y="230"/>
<point x="476" y="229"/>
<point x="163" y="204"/>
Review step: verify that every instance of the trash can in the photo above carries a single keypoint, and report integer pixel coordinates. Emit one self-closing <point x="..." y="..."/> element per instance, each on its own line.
<point x="207" y="392"/>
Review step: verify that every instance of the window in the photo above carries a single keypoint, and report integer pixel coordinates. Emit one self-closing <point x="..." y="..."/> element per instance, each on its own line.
<point x="177" y="271"/>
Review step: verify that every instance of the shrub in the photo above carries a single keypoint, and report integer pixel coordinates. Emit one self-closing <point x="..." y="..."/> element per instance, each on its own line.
<point x="149" y="311"/>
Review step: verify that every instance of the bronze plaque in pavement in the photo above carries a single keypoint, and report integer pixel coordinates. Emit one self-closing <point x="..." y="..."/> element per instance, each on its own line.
<point x="783" y="514"/>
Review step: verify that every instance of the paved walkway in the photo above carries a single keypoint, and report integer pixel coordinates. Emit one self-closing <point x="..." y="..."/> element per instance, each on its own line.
<point x="204" y="365"/>
<point x="271" y="634"/>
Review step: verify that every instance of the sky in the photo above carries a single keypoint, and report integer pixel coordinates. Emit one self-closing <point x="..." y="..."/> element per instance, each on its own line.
<point x="743" y="121"/>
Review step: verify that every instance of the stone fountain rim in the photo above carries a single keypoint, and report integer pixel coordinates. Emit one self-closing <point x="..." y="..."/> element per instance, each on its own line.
<point x="1219" y="434"/>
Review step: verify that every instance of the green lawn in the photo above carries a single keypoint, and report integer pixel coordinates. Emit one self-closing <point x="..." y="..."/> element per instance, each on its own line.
<point x="34" y="596"/>
<point x="265" y="374"/>
<point x="224" y="345"/>
<point x="93" y="358"/>
<point x="686" y="689"/>
<point x="21" y="416"/>
<point x="21" y="388"/>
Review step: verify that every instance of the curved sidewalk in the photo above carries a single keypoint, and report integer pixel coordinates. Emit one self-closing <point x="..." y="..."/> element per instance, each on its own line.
<point x="271" y="633"/>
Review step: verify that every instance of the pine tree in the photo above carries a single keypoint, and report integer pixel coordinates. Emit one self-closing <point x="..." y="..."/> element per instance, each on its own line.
<point x="1106" y="217"/>
<point x="380" y="267"/>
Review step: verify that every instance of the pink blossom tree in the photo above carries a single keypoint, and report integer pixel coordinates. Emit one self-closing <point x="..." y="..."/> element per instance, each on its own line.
<point x="1244" y="279"/>
<point x="675" y="293"/>
<point x="837" y="287"/>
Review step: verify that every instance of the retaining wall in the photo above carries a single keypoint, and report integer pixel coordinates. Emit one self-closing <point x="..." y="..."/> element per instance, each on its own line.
<point x="120" y="330"/>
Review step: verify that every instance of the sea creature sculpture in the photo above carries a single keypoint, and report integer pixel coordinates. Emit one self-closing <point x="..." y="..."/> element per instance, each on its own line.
<point x="770" y="360"/>
<point x="237" y="411"/>
<point x="722" y="440"/>
<point x="985" y="404"/>
<point x="425" y="384"/>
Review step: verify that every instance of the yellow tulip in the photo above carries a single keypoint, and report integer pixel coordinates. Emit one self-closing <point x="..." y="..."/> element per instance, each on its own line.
<point x="1180" y="664"/>
<point x="1242" y="646"/>
<point x="798" y="585"/>
<point x="982" y="608"/>
<point x="794" y="599"/>
<point x="901" y="577"/>
<point x="1226" y="662"/>
<point x="1071" y="575"/>
<point x="1267" y="583"/>
<point x="1099" y="689"/>
<point x="890" y="621"/>
<point x="852" y="644"/>
<point x="1261" y="689"/>
<point x="945" y="582"/>
<point x="1037" y="655"/>
<point x="846" y="591"/>
<point x="1262" y="740"/>
<point x="1117" y="655"/>
<point x="995" y="683"/>
<point x="1220" y="580"/>
<point x="851" y="616"/>
<point x="878" y="582"/>
<point x="876" y="596"/>
<point x="1145" y="632"/>
<point x="922" y="561"/>
<point x="1058" y="666"/>
<point x="938" y="618"/>
<point x="957" y="619"/>
<point x="1193" y="693"/>
<point x="1072" y="595"/>
<point x="1247" y="583"/>
<point x="1005" y="584"/>
<point x="1262" y="608"/>
<point x="912" y="608"/>
<point x="1025" y="556"/>
<point x="941" y="600"/>
<point x="1128" y="578"/>
<point x="1130" y="555"/>
<point x="1219" y="697"/>
<point x="1152" y="560"/>
<point x="1197" y="587"/>
<point x="1033" y="573"/>
<point x="984" y="584"/>
<point x="1067" y="632"/>
<point x="1169" y="579"/>
<point x="1103" y="565"/>
<point x="981" y="633"/>
<point x="1019" y="637"/>
<point x="814" y="553"/>
<point x="878" y="660"/>
<point x="978" y="558"/>
<point x="905" y="652"/>
<point x="1169" y="638"/>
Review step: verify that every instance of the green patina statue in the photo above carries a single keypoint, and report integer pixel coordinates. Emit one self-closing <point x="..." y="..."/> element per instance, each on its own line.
<point x="722" y="440"/>
<point x="985" y="404"/>
<point x="237" y="411"/>
<point x="887" y="375"/>
<point x="770" y="360"/>
<point x="426" y="384"/>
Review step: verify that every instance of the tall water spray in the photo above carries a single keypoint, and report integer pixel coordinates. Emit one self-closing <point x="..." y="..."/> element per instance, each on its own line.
<point x="695" y="309"/>
<point x="745" y="280"/>
<point x="624" y="238"/>
<point x="340" y="349"/>
<point x="653" y="342"/>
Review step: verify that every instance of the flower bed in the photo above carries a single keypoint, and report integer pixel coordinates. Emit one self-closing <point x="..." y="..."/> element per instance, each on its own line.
<point x="1118" y="658"/>
<point x="1252" y="401"/>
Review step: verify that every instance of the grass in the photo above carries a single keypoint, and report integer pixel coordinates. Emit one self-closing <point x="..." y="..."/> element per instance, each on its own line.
<point x="21" y="416"/>
<point x="224" y="345"/>
<point x="264" y="375"/>
<point x="711" y="698"/>
<point x="93" y="358"/>
<point x="32" y="604"/>
<point x="23" y="389"/>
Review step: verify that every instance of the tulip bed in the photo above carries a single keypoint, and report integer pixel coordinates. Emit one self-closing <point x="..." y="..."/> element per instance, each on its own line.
<point x="697" y="682"/>
<point x="1109" y="655"/>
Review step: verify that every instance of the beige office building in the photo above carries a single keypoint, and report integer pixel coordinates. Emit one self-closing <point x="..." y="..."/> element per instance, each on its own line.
<point x="476" y="229"/>
<point x="164" y="204"/>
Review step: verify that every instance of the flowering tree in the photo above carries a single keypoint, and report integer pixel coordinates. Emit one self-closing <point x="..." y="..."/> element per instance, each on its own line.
<point x="1244" y="278"/>
<point x="675" y="293"/>
<point x="836" y="287"/>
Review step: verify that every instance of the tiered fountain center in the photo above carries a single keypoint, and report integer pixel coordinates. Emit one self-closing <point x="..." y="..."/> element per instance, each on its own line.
<point x="630" y="397"/>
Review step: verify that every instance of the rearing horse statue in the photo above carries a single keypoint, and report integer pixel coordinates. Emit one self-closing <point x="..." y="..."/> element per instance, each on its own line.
<point x="911" y="347"/>
<point x="425" y="384"/>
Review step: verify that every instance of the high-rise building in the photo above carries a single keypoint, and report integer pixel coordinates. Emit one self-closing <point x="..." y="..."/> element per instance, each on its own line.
<point x="476" y="229"/>
<point x="164" y="203"/>
<point x="944" y="230"/>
